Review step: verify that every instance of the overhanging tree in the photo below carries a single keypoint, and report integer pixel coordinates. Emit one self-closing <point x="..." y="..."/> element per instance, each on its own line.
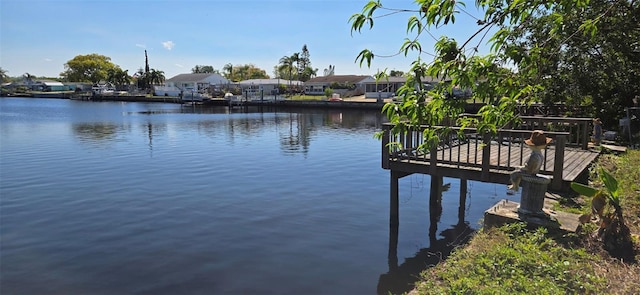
<point x="510" y="74"/>
<point x="598" y="71"/>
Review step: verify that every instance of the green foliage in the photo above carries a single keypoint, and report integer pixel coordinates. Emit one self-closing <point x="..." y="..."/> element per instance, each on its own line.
<point x="345" y="85"/>
<point x="328" y="92"/>
<point x="514" y="260"/>
<point x="607" y="207"/>
<point x="87" y="68"/>
<point x="584" y="189"/>
<point x="628" y="175"/>
<point x="118" y="77"/>
<point x="611" y="191"/>
<point x="145" y="80"/>
<point x="587" y="53"/>
<point x="228" y="71"/>
<point x="395" y="73"/>
<point x="204" y="69"/>
<point x="3" y="75"/>
<point x="296" y="67"/>
<point x="528" y="41"/>
<point x="244" y="72"/>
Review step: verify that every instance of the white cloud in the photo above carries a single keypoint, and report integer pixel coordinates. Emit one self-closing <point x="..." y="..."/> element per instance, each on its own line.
<point x="141" y="45"/>
<point x="48" y="59"/>
<point x="168" y="45"/>
<point x="179" y="65"/>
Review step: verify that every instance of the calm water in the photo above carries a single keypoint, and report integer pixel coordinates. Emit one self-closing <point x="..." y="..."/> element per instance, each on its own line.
<point x="133" y="198"/>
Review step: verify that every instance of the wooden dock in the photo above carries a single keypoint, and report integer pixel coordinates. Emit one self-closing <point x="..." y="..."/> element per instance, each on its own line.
<point x="467" y="154"/>
<point x="484" y="158"/>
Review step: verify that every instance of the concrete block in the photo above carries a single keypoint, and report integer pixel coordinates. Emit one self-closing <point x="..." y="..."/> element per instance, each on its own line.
<point x="506" y="211"/>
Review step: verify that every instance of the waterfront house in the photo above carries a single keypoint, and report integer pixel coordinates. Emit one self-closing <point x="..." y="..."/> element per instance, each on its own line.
<point x="191" y="83"/>
<point x="388" y="87"/>
<point x="103" y="87"/>
<point x="345" y="85"/>
<point x="266" y="87"/>
<point x="48" y="85"/>
<point x="383" y="88"/>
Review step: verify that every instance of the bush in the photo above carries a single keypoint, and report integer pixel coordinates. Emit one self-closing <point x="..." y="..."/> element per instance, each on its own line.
<point x="328" y="92"/>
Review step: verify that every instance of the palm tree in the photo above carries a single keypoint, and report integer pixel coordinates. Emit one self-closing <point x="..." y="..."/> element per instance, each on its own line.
<point x="141" y="79"/>
<point x="228" y="71"/>
<point x="330" y="71"/>
<point x="309" y="73"/>
<point x="296" y="58"/>
<point x="113" y="75"/>
<point x="3" y="75"/>
<point x="118" y="78"/>
<point x="28" y="78"/>
<point x="286" y="64"/>
<point x="122" y="79"/>
<point x="156" y="77"/>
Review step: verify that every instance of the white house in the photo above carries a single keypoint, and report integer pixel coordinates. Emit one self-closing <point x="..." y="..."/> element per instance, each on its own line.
<point x="383" y="88"/>
<point x="265" y="87"/>
<point x="49" y="85"/>
<point x="345" y="85"/>
<point x="190" y="84"/>
<point x="388" y="87"/>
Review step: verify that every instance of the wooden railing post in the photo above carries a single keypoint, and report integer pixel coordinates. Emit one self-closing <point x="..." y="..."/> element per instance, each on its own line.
<point x="385" y="149"/>
<point x="486" y="156"/>
<point x="585" y="135"/>
<point x="433" y="161"/>
<point x="558" y="163"/>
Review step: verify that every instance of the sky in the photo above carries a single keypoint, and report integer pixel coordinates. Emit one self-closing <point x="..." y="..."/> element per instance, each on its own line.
<point x="39" y="37"/>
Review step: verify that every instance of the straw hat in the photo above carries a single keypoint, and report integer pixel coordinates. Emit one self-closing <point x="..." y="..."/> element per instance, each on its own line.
<point x="537" y="138"/>
<point x="597" y="121"/>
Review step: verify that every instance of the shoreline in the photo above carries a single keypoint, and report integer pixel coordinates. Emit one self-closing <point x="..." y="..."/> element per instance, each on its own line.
<point x="346" y="103"/>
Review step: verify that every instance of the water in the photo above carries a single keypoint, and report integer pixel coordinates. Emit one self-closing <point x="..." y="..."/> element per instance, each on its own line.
<point x="134" y="198"/>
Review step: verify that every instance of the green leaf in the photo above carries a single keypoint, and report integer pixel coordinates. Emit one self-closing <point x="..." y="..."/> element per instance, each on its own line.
<point x="609" y="181"/>
<point x="365" y="55"/>
<point x="583" y="189"/>
<point x="414" y="23"/>
<point x="611" y="184"/>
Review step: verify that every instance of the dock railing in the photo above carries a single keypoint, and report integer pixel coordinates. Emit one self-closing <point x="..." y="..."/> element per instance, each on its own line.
<point x="501" y="153"/>
<point x="578" y="128"/>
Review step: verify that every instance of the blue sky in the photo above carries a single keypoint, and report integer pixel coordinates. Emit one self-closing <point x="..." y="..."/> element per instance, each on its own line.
<point x="39" y="37"/>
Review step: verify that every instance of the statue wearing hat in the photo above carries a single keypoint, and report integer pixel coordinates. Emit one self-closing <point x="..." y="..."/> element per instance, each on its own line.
<point x="537" y="142"/>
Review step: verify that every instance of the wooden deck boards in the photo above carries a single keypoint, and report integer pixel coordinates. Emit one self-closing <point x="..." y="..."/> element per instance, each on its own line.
<point x="504" y="158"/>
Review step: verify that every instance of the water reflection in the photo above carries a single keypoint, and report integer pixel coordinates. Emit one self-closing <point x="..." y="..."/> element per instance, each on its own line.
<point x="100" y="132"/>
<point x="401" y="277"/>
<point x="296" y="129"/>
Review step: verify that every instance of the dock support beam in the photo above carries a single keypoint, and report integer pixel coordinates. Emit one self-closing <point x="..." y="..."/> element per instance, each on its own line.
<point x="435" y="205"/>
<point x="463" y="199"/>
<point x="394" y="205"/>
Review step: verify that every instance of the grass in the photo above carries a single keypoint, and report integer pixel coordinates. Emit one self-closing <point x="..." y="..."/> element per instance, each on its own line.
<point x="515" y="260"/>
<point x="307" y="97"/>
